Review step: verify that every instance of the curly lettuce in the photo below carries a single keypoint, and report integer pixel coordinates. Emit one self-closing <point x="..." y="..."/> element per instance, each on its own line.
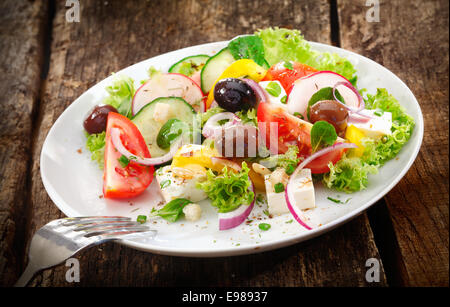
<point x="350" y="174"/>
<point x="228" y="190"/>
<point x="121" y="93"/>
<point x="96" y="145"/>
<point x="289" y="45"/>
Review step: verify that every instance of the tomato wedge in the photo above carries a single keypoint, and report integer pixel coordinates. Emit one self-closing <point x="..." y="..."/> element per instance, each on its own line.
<point x="292" y="130"/>
<point x="286" y="74"/>
<point x="133" y="179"/>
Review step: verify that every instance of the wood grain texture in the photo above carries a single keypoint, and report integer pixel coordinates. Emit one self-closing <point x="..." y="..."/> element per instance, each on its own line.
<point x="411" y="40"/>
<point x="113" y="35"/>
<point x="21" y="32"/>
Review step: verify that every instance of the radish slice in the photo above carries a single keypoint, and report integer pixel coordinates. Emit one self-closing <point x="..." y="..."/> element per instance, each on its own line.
<point x="169" y="85"/>
<point x="211" y="125"/>
<point x="259" y="91"/>
<point x="290" y="200"/>
<point x="305" y="87"/>
<point x="237" y="217"/>
<point x="117" y="142"/>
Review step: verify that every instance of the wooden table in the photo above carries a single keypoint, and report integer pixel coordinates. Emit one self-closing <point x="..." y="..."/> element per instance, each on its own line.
<point x="47" y="62"/>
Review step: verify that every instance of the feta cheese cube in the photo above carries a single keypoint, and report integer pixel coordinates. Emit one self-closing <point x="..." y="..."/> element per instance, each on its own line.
<point x="303" y="193"/>
<point x="379" y="125"/>
<point x="180" y="183"/>
<point x="270" y="94"/>
<point x="162" y="112"/>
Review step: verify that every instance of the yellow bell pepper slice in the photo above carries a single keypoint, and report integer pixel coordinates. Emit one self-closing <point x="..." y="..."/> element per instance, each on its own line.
<point x="240" y="68"/>
<point x="194" y="154"/>
<point x="355" y="135"/>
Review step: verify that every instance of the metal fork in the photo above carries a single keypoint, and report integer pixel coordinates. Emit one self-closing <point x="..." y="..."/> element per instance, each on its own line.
<point x="61" y="239"/>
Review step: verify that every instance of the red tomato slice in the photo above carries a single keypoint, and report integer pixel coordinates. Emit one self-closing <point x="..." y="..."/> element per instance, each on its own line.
<point x="287" y="76"/>
<point x="132" y="180"/>
<point x="292" y="129"/>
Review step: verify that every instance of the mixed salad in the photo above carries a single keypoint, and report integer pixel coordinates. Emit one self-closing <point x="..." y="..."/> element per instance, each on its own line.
<point x="266" y="114"/>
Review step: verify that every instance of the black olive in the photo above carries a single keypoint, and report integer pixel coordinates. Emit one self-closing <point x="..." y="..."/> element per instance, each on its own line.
<point x="95" y="121"/>
<point x="332" y="112"/>
<point x="234" y="95"/>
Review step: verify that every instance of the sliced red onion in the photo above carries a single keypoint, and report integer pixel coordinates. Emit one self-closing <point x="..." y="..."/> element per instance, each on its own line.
<point x="290" y="201"/>
<point x="217" y="161"/>
<point x="117" y="142"/>
<point x="212" y="125"/>
<point x="236" y="217"/>
<point x="354" y="90"/>
<point x="259" y="91"/>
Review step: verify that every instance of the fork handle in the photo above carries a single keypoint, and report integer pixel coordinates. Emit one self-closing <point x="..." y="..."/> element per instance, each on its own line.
<point x="27" y="275"/>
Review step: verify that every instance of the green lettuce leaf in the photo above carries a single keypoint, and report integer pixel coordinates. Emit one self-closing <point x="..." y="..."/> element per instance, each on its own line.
<point x="121" y="93"/>
<point x="228" y="190"/>
<point x="350" y="174"/>
<point x="95" y="143"/>
<point x="289" y="45"/>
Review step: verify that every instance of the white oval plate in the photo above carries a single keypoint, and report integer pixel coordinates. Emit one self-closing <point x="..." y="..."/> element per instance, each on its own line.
<point x="74" y="182"/>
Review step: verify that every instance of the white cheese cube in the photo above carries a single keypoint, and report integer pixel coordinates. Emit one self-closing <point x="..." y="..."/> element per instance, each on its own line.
<point x="162" y="112"/>
<point x="303" y="190"/>
<point x="377" y="126"/>
<point x="303" y="193"/>
<point x="270" y="94"/>
<point x="180" y="183"/>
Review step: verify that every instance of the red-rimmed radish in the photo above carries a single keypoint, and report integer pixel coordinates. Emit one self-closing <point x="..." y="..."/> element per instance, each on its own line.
<point x="117" y="142"/>
<point x="290" y="200"/>
<point x="169" y="85"/>
<point x="236" y="217"/>
<point x="305" y="87"/>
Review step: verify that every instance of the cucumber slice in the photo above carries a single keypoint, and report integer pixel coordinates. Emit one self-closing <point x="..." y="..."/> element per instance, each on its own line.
<point x="214" y="67"/>
<point x="151" y="118"/>
<point x="189" y="65"/>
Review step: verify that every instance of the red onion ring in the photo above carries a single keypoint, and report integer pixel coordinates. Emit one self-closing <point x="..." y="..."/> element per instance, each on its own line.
<point x="236" y="217"/>
<point x="212" y="125"/>
<point x="117" y="142"/>
<point x="360" y="98"/>
<point x="297" y="213"/>
<point x="259" y="91"/>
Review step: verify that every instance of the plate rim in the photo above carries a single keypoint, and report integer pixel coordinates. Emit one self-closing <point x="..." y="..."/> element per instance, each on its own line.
<point x="263" y="246"/>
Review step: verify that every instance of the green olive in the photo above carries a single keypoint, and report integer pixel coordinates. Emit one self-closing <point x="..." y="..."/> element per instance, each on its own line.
<point x="169" y="132"/>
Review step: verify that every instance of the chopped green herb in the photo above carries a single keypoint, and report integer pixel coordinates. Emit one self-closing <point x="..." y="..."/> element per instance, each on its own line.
<point x="279" y="187"/>
<point x="379" y="113"/>
<point x="289" y="169"/>
<point x="124" y="161"/>
<point x="284" y="99"/>
<point x="337" y="201"/>
<point x="288" y="65"/>
<point x="264" y="226"/>
<point x="274" y="89"/>
<point x="141" y="219"/>
<point x="299" y="115"/>
<point x="165" y="183"/>
<point x="290" y="221"/>
<point x="266" y="212"/>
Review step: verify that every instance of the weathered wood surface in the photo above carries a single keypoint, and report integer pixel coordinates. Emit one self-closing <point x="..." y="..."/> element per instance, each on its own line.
<point x="412" y="41"/>
<point x="113" y="35"/>
<point x="21" y="50"/>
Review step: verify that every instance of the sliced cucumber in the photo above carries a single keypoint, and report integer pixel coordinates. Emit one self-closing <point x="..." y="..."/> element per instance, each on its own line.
<point x="150" y="127"/>
<point x="189" y="65"/>
<point x="214" y="67"/>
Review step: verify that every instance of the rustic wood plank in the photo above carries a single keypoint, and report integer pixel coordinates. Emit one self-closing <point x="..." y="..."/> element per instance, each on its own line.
<point x="411" y="39"/>
<point x="21" y="40"/>
<point x="113" y="36"/>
